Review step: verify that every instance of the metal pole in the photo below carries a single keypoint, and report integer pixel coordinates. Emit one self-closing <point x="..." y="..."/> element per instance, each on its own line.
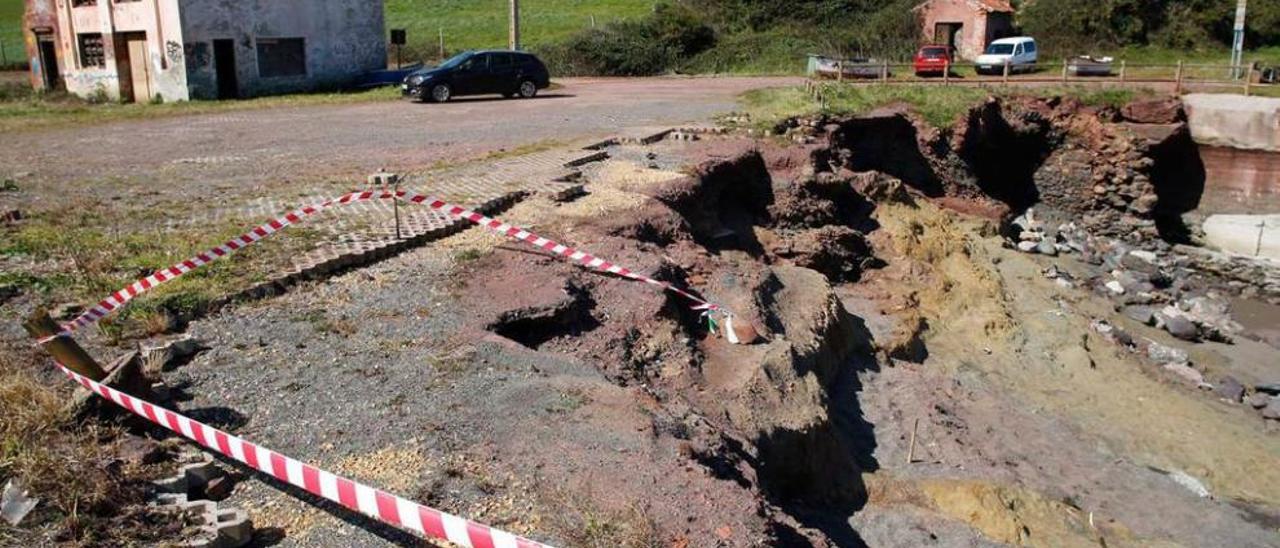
<point x="64" y="348"/>
<point x="1237" y="39"/>
<point x="1122" y="69"/>
<point x="1248" y="79"/>
<point x="884" y="71"/>
<point x="840" y="71"/>
<point x="1064" y="70"/>
<point x="1177" y="89"/>
<point x="442" y="43"/>
<point x="395" y="200"/>
<point x="514" y="40"/>
<point x="1006" y="72"/>
<point x="946" y="73"/>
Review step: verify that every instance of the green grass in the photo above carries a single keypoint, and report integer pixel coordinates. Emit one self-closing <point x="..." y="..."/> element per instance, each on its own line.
<point x="11" y="32"/>
<point x="23" y="110"/>
<point x="477" y="24"/>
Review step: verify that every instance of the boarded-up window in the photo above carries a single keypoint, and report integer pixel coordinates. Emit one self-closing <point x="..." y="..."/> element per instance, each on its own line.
<point x="282" y="57"/>
<point x="91" y="52"/>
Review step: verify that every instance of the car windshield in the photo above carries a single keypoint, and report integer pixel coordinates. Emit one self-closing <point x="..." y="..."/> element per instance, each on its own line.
<point x="456" y="60"/>
<point x="1000" y="49"/>
<point x="935" y="52"/>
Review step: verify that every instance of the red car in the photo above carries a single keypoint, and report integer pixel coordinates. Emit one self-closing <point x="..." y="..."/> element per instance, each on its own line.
<point x="933" y="59"/>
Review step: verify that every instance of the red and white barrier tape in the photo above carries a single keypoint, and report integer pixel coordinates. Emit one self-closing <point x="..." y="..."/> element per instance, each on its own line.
<point x="388" y="508"/>
<point x="119" y="298"/>
<point x="375" y="503"/>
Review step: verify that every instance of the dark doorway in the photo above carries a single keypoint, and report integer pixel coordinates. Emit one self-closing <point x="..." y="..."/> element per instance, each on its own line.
<point x="948" y="34"/>
<point x="49" y="63"/>
<point x="224" y="62"/>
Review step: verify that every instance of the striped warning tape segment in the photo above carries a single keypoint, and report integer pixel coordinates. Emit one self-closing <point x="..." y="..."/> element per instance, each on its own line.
<point x="119" y="298"/>
<point x="375" y="503"/>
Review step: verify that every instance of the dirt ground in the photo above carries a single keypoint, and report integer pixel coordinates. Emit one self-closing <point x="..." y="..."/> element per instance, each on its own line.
<point x="917" y="381"/>
<point x="1029" y="429"/>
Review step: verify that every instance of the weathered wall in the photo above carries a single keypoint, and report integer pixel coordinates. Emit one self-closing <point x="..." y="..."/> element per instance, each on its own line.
<point x="38" y="14"/>
<point x="1239" y="140"/>
<point x="973" y="38"/>
<point x="344" y="39"/>
<point x="157" y="18"/>
<point x="1240" y="181"/>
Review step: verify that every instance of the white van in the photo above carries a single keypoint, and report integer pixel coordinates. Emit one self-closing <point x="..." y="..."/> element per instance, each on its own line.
<point x="1019" y="52"/>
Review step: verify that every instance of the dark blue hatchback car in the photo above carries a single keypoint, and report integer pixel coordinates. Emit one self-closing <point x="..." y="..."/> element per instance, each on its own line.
<point x="510" y="73"/>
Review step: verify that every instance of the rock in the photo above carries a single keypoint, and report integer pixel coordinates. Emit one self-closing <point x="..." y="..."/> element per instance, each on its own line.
<point x="1144" y="204"/>
<point x="1030" y="236"/>
<point x="745" y="332"/>
<point x="1182" y="328"/>
<point x="1045" y="247"/>
<point x="1147" y="256"/>
<point x="1141" y="314"/>
<point x="1190" y="483"/>
<point x="1157" y="111"/>
<point x="1027" y="246"/>
<point x="139" y="451"/>
<point x="1272" y="410"/>
<point x="1257" y="401"/>
<point x="1160" y="353"/>
<point x="1115" y="287"/>
<point x="1185" y="371"/>
<point x="1229" y="389"/>
<point x="219" y="488"/>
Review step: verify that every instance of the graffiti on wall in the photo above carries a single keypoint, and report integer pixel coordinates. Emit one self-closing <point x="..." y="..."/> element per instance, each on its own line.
<point x="174" y="51"/>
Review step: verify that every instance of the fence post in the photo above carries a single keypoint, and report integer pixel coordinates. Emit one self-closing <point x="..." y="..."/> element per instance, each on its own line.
<point x="1177" y="89"/>
<point x="62" y="348"/>
<point x="840" y="70"/>
<point x="1064" y="70"/>
<point x="441" y="43"/>
<point x="884" y="71"/>
<point x="946" y="73"/>
<point x="1005" y="79"/>
<point x="1248" y="79"/>
<point x="1122" y="69"/>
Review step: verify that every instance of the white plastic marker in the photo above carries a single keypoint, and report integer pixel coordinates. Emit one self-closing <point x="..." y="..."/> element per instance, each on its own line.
<point x="385" y="507"/>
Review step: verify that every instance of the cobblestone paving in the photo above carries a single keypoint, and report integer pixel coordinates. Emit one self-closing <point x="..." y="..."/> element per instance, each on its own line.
<point x="365" y="231"/>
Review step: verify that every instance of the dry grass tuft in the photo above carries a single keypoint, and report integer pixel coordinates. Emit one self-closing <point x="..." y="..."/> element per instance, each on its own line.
<point x="86" y="498"/>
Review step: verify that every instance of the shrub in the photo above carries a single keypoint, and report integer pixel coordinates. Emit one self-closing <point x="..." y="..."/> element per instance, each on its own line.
<point x="633" y="48"/>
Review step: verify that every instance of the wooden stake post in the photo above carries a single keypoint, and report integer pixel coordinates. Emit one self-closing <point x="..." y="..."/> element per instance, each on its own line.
<point x="64" y="349"/>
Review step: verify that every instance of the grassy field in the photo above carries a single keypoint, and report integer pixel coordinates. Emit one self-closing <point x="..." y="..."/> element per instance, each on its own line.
<point x="20" y="109"/>
<point x="11" y="32"/>
<point x="475" y="24"/>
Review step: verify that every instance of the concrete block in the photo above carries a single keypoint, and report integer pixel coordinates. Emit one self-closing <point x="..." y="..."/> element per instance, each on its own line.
<point x="1248" y="235"/>
<point x="1234" y="121"/>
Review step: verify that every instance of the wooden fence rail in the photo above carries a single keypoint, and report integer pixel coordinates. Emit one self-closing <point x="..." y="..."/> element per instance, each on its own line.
<point x="1180" y="76"/>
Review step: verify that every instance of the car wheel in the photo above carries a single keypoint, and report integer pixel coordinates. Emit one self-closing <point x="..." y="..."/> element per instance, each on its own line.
<point x="528" y="89"/>
<point x="441" y="93"/>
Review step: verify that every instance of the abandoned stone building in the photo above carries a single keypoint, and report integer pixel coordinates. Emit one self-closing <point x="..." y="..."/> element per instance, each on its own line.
<point x="174" y="50"/>
<point x="965" y="25"/>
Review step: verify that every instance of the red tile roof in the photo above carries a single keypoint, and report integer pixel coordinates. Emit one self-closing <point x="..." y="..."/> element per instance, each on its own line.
<point x="996" y="5"/>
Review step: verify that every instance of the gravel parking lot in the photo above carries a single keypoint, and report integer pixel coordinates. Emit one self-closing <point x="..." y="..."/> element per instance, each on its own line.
<point x="251" y="148"/>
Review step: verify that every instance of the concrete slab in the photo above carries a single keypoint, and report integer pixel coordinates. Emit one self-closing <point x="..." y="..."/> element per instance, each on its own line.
<point x="1234" y="121"/>
<point x="1249" y="235"/>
